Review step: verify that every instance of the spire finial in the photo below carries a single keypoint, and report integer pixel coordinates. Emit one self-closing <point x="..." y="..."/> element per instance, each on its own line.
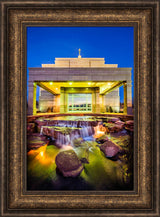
<point x="79" y="53"/>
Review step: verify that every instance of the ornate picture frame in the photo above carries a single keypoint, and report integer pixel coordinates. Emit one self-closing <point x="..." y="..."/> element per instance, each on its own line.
<point x="15" y="199"/>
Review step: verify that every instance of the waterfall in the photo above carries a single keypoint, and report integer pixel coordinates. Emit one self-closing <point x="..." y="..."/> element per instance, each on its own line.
<point x="41" y="131"/>
<point x="65" y="132"/>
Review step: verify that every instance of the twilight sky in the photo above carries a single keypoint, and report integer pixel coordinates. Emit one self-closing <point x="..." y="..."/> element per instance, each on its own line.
<point x="115" y="44"/>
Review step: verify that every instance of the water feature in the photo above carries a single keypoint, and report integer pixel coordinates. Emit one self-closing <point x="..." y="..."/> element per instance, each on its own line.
<point x="80" y="153"/>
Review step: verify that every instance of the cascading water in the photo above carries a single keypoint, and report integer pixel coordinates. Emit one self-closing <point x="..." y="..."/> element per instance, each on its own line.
<point x="64" y="133"/>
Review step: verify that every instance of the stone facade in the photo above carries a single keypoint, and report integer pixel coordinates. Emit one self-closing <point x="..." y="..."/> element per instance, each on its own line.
<point x="80" y="63"/>
<point x="81" y="69"/>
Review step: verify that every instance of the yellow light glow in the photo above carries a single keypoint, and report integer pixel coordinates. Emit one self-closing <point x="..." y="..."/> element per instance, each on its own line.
<point x="109" y="84"/>
<point x="70" y="83"/>
<point x="89" y="83"/>
<point x="41" y="153"/>
<point x="99" y="131"/>
<point x="50" y="83"/>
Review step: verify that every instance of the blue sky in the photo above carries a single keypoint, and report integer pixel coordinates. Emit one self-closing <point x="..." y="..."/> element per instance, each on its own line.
<point x="115" y="44"/>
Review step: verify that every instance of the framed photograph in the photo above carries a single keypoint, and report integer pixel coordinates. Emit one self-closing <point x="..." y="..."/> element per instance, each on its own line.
<point x="80" y="108"/>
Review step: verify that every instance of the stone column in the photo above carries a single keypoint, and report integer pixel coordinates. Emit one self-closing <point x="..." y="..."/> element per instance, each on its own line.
<point x="62" y="100"/>
<point x="129" y="98"/>
<point x="125" y="98"/>
<point x="93" y="101"/>
<point x="34" y="98"/>
<point x="56" y="103"/>
<point x="97" y="103"/>
<point x="30" y="98"/>
<point x="65" y="101"/>
<point x="101" y="101"/>
<point x="32" y="87"/>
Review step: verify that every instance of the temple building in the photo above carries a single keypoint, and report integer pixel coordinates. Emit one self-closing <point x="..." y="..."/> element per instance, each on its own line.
<point x="79" y="85"/>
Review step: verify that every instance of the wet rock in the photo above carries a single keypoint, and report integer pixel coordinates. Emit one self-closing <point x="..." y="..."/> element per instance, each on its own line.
<point x="35" y="141"/>
<point x="119" y="134"/>
<point x="102" y="139"/>
<point x="39" y="124"/>
<point x="30" y="128"/>
<point x="84" y="160"/>
<point x="66" y="135"/>
<point x="110" y="149"/>
<point x="112" y="119"/>
<point x="78" y="142"/>
<point x="129" y="125"/>
<point x="113" y="127"/>
<point x="67" y="123"/>
<point x="120" y="122"/>
<point x="68" y="163"/>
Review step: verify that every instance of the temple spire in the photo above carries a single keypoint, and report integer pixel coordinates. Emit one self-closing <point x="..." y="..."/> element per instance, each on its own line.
<point x="79" y="53"/>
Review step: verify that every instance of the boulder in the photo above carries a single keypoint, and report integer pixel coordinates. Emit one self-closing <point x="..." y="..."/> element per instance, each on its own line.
<point x="110" y="149"/>
<point x="113" y="127"/>
<point x="112" y="119"/>
<point x="102" y="139"/>
<point x="30" y="128"/>
<point x="129" y="125"/>
<point x="120" y="122"/>
<point x="68" y="163"/>
<point x="35" y="141"/>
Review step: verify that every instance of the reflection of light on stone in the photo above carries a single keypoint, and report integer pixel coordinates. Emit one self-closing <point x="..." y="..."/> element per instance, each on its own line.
<point x="99" y="131"/>
<point x="41" y="155"/>
<point x="67" y="147"/>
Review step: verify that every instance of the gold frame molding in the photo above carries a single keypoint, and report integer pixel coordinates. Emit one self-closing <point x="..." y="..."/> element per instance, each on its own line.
<point x="144" y="17"/>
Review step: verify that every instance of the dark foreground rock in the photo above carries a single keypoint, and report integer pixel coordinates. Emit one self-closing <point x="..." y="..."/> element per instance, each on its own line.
<point x="129" y="125"/>
<point x="110" y="149"/>
<point x="68" y="163"/>
<point x="30" y="128"/>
